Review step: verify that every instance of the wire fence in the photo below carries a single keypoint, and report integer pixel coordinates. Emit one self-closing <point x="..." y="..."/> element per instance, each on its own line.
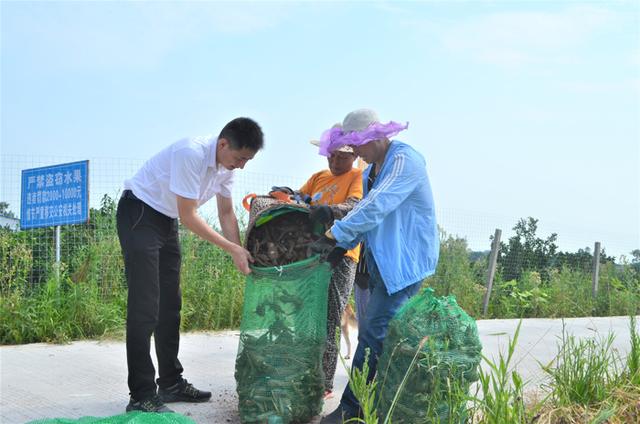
<point x="106" y="176"/>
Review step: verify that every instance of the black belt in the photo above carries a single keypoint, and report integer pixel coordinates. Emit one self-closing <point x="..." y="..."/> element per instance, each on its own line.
<point x="128" y="194"/>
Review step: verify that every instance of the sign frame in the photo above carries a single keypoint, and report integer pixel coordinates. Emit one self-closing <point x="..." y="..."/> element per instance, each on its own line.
<point x="55" y="195"/>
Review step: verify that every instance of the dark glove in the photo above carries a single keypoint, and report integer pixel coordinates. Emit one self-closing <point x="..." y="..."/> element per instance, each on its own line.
<point x="322" y="246"/>
<point x="321" y="214"/>
<point x="335" y="256"/>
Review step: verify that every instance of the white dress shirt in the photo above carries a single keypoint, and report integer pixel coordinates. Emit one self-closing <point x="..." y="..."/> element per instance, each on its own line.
<point x="186" y="168"/>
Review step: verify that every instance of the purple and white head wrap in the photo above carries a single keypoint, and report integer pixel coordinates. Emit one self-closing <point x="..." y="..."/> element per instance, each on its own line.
<point x="336" y="137"/>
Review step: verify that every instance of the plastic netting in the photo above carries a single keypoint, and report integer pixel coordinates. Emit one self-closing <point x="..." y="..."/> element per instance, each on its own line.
<point x="129" y="418"/>
<point x="283" y="333"/>
<point x="433" y="345"/>
<point x="279" y="377"/>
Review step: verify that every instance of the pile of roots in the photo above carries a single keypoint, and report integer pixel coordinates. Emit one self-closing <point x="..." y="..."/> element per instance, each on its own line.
<point x="281" y="240"/>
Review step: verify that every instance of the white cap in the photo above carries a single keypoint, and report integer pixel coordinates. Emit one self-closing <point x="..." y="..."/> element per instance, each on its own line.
<point x="359" y="120"/>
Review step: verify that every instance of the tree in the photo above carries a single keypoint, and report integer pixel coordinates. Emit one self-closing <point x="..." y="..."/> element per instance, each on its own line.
<point x="527" y="252"/>
<point x="5" y="211"/>
<point x="635" y="261"/>
<point x="582" y="260"/>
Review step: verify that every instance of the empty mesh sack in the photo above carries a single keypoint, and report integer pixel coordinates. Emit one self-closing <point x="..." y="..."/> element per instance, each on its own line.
<point x="129" y="418"/>
<point x="433" y="345"/>
<point x="279" y="377"/>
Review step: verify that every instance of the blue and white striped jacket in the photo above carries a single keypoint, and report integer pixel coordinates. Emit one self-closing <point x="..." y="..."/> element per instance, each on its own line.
<point x="396" y="219"/>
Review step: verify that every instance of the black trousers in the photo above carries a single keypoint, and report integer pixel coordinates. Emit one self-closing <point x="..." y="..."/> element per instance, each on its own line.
<point x="151" y="251"/>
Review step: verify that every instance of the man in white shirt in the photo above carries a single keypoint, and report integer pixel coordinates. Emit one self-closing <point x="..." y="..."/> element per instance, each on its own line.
<point x="172" y="185"/>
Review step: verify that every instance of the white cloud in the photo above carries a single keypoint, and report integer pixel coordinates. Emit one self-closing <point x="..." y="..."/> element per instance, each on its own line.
<point x="524" y="38"/>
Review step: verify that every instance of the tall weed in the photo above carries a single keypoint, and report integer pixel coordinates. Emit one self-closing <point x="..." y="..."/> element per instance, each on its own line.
<point x="633" y="359"/>
<point x="212" y="288"/>
<point x="58" y="311"/>
<point x="502" y="400"/>
<point x="585" y="371"/>
<point x="363" y="390"/>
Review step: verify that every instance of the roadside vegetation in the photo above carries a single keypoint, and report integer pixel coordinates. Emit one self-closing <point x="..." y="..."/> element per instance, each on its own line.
<point x="587" y="382"/>
<point x="86" y="296"/>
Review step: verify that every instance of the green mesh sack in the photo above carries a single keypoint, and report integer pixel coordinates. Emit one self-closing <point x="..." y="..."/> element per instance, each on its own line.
<point x="435" y="344"/>
<point x="278" y="372"/>
<point x="129" y="418"/>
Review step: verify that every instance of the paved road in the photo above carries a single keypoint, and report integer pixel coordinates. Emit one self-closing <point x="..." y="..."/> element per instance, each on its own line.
<point x="89" y="378"/>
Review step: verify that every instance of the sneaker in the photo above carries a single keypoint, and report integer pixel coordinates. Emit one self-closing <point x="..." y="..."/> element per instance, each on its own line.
<point x="152" y="404"/>
<point x="183" y="391"/>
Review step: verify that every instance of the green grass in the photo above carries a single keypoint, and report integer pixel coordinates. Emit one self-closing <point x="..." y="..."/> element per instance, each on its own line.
<point x="59" y="311"/>
<point x="588" y="383"/>
<point x="364" y="391"/>
<point x="212" y="288"/>
<point x="502" y="387"/>
<point x="90" y="300"/>
<point x="591" y="382"/>
<point x="584" y="372"/>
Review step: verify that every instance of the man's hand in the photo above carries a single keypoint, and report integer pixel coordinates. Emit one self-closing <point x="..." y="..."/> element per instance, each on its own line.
<point x="335" y="256"/>
<point x="321" y="214"/>
<point x="322" y="246"/>
<point x="190" y="219"/>
<point x="241" y="258"/>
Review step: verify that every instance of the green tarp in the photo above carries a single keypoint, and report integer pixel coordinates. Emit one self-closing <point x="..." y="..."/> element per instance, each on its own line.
<point x="130" y="418"/>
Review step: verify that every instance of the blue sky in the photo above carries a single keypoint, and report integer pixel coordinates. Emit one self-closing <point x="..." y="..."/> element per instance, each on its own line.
<point x="520" y="108"/>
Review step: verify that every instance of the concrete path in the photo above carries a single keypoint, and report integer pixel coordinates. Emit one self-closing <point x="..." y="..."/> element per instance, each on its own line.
<point x="89" y="378"/>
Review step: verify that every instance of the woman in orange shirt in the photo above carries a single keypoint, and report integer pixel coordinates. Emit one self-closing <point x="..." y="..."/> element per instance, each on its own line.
<point x="333" y="193"/>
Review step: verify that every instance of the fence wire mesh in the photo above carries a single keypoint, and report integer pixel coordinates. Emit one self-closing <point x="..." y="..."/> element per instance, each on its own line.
<point x="469" y="230"/>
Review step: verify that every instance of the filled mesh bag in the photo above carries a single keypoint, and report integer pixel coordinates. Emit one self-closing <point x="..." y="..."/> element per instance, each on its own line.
<point x="430" y="359"/>
<point x="279" y="377"/>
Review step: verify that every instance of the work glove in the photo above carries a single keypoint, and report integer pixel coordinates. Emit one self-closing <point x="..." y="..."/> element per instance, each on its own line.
<point x="321" y="214"/>
<point x="323" y="246"/>
<point x="335" y="256"/>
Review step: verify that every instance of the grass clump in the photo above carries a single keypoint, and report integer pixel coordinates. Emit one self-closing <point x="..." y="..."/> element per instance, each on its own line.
<point x="59" y="311"/>
<point x="502" y="390"/>
<point x="588" y="382"/>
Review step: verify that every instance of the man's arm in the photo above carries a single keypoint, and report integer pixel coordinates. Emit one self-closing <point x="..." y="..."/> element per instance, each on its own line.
<point x="379" y="202"/>
<point x="228" y="220"/>
<point x="187" y="210"/>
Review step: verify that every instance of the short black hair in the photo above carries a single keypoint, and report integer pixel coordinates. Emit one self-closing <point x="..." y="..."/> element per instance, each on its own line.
<point x="243" y="133"/>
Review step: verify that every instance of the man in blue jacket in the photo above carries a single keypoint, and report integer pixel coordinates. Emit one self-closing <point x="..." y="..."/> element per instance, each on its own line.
<point x="396" y="220"/>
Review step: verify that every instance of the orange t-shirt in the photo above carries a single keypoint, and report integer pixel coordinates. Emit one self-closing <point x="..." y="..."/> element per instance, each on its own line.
<point x="327" y="189"/>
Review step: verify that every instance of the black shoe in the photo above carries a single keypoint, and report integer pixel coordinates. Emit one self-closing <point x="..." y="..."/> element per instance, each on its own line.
<point x="183" y="391"/>
<point x="152" y="404"/>
<point x="337" y="417"/>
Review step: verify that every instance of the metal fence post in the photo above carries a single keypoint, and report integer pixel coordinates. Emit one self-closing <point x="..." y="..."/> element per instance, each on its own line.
<point x="57" y="252"/>
<point x="596" y="269"/>
<point x="495" y="247"/>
